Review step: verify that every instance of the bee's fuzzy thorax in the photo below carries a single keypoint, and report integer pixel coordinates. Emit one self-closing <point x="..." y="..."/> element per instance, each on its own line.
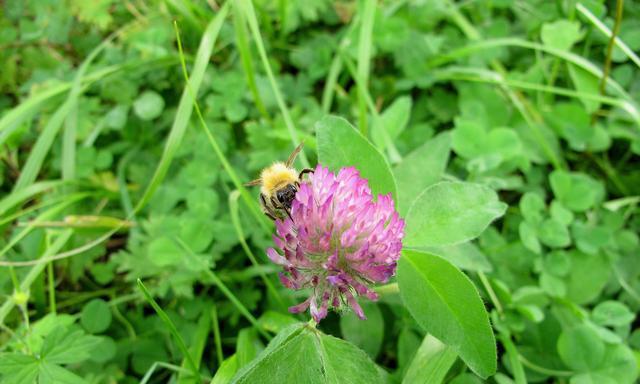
<point x="276" y="176"/>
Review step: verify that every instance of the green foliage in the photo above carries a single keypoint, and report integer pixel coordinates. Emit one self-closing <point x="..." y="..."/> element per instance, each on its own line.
<point x="299" y="353"/>
<point x="447" y="305"/>
<point x="517" y="178"/>
<point x="451" y="213"/>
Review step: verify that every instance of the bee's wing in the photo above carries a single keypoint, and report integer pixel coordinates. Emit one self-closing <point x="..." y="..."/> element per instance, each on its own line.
<point x="253" y="183"/>
<point x="294" y="154"/>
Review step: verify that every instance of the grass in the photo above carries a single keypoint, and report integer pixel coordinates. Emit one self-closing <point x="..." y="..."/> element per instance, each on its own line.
<point x="89" y="184"/>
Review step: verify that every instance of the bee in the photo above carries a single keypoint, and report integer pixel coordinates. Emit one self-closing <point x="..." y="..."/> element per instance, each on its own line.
<point x="278" y="186"/>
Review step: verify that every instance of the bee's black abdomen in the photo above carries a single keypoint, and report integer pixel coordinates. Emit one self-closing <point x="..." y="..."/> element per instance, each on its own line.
<point x="286" y="195"/>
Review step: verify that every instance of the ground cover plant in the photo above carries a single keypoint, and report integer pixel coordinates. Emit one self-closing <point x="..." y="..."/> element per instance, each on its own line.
<point x="472" y="217"/>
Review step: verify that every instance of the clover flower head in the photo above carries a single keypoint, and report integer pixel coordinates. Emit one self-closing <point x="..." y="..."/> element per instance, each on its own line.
<point x="338" y="242"/>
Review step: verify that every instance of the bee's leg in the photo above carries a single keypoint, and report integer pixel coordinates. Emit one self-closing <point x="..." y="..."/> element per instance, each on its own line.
<point x="280" y="206"/>
<point x="304" y="171"/>
<point x="266" y="208"/>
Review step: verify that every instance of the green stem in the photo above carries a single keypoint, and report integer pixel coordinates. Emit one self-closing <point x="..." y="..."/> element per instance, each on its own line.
<point x="52" y="287"/>
<point x="543" y="370"/>
<point x="614" y="33"/>
<point x="235" y="219"/>
<point x="237" y="303"/>
<point x="216" y="334"/>
<point x="607" y="60"/>
<point x="172" y="328"/>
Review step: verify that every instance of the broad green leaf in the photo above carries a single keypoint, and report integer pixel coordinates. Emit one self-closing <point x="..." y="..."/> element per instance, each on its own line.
<point x="16" y="368"/>
<point x="304" y="355"/>
<point x="421" y="168"/>
<point x="148" y="105"/>
<point x="95" y="316"/>
<point x="553" y="285"/>
<point x="465" y="256"/>
<point x="431" y="363"/>
<point x="595" y="269"/>
<point x="163" y="251"/>
<point x="554" y="234"/>
<point x="612" y="313"/>
<point x="581" y="348"/>
<point x="529" y="237"/>
<point x="447" y="305"/>
<point x="365" y="334"/>
<point x="340" y="145"/>
<point x="561" y="34"/>
<point x="619" y="365"/>
<point x="67" y="346"/>
<point x="52" y="373"/>
<point x="576" y="191"/>
<point x="450" y="213"/>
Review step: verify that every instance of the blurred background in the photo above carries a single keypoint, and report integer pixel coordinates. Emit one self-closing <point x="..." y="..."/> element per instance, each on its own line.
<point x="108" y="174"/>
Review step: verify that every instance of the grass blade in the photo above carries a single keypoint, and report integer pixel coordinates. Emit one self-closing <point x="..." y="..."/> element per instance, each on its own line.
<point x="185" y="107"/>
<point x="242" y="43"/>
<point x="235" y="218"/>
<point x="20" y="197"/>
<point x="607" y="32"/>
<point x="172" y="328"/>
<point x="251" y="203"/>
<point x="364" y="56"/>
<point x="60" y="241"/>
<point x="255" y="30"/>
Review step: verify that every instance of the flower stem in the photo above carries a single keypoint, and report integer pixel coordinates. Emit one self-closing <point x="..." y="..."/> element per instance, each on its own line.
<point x="387" y="289"/>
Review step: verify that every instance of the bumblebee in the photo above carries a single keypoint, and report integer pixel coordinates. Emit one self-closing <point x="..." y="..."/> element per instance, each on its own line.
<point x="278" y="186"/>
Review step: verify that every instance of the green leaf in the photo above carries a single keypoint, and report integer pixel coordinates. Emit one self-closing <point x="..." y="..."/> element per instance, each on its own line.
<point x="53" y="373"/>
<point x="340" y="145"/>
<point x="227" y="370"/>
<point x="561" y="34"/>
<point x="595" y="269"/>
<point x="576" y="191"/>
<point x="581" y="348"/>
<point x="573" y="124"/>
<point x="586" y="84"/>
<point x="618" y="365"/>
<point x="95" y="316"/>
<point x="612" y="313"/>
<point x="163" y="251"/>
<point x="148" y="105"/>
<point x="394" y="120"/>
<point x="303" y="353"/>
<point x="451" y="212"/>
<point x="365" y="334"/>
<point x="68" y="345"/>
<point x="554" y="234"/>
<point x="532" y="207"/>
<point x="18" y="368"/>
<point x="421" y="168"/>
<point x="447" y="305"/>
<point x="465" y="256"/>
<point x="246" y="346"/>
<point x="431" y="363"/>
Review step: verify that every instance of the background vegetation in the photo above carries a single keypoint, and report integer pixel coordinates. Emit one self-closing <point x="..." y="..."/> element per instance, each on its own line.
<point x="109" y="175"/>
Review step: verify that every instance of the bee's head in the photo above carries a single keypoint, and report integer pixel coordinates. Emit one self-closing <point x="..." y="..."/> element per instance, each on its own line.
<point x="286" y="195"/>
